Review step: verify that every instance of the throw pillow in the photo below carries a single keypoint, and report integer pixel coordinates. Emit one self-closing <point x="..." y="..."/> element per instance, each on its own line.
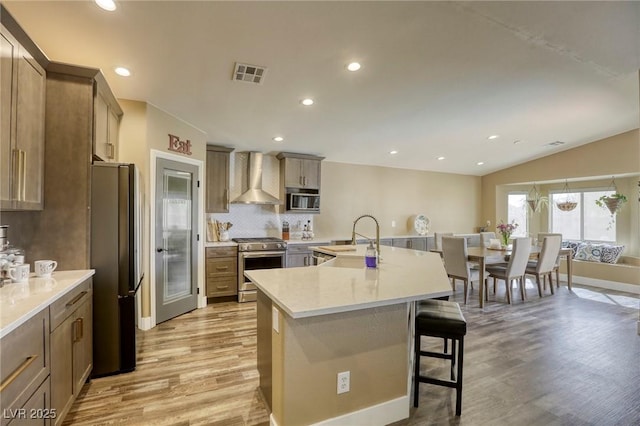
<point x="611" y="253"/>
<point x="573" y="245"/>
<point x="589" y="252"/>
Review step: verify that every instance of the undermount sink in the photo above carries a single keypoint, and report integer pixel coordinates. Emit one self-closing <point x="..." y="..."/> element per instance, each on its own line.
<point x="353" y="262"/>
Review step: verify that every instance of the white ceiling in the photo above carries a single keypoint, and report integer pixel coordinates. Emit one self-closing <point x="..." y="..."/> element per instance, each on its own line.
<point x="437" y="78"/>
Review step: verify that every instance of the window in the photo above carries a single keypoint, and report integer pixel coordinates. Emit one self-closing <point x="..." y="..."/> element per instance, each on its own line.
<point x="587" y="221"/>
<point x="517" y="212"/>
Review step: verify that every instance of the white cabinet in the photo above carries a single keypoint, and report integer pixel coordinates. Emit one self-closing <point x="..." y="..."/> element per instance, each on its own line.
<point x="22" y="104"/>
<point x="300" y="255"/>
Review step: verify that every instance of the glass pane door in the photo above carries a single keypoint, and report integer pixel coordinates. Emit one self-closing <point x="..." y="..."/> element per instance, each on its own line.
<point x="176" y="239"/>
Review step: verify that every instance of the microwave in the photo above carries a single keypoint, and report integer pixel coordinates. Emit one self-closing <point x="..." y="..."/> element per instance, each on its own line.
<point x="301" y="201"/>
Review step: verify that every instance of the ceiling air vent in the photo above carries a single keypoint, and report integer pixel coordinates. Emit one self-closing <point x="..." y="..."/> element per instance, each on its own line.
<point x="556" y="143"/>
<point x="249" y="73"/>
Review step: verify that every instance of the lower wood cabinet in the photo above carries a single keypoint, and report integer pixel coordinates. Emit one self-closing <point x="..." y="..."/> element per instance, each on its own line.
<point x="24" y="368"/>
<point x="71" y="347"/>
<point x="221" y="271"/>
<point x="37" y="410"/>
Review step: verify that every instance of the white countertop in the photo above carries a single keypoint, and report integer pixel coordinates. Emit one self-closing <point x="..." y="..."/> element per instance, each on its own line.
<point x="21" y="301"/>
<point x="345" y="284"/>
<point x="220" y="244"/>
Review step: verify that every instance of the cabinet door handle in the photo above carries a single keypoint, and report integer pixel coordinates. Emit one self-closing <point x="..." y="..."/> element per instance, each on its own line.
<point x="23" y="170"/>
<point x="226" y="197"/>
<point x="110" y="150"/>
<point x="80" y="322"/>
<point x="15" y="167"/>
<point x="75" y="299"/>
<point x="222" y="287"/>
<point x="27" y="362"/>
<point x="222" y="268"/>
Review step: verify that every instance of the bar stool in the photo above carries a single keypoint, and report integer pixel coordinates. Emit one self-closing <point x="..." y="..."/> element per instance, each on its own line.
<point x="438" y="318"/>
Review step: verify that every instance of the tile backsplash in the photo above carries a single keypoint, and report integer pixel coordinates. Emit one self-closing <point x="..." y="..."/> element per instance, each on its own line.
<point x="251" y="220"/>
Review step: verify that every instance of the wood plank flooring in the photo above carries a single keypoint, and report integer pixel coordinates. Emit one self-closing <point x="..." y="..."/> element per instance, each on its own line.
<point x="568" y="359"/>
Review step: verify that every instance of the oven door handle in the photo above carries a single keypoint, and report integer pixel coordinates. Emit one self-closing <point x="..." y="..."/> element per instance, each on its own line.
<point x="249" y="254"/>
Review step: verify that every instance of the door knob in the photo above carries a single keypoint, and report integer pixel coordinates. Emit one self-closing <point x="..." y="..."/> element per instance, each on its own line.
<point x="159" y="249"/>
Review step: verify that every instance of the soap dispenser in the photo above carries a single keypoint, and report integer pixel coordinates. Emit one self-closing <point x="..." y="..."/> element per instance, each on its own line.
<point x="371" y="256"/>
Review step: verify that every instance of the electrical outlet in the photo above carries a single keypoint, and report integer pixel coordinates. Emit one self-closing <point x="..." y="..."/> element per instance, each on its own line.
<point x="393" y="223"/>
<point x="344" y="382"/>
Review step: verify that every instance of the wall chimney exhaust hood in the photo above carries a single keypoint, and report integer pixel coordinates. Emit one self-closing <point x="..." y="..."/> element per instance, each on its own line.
<point x="255" y="194"/>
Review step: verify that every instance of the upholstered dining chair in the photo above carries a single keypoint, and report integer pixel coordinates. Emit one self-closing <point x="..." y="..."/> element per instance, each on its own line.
<point x="543" y="267"/>
<point x="556" y="268"/>
<point x="438" y="238"/>
<point x="454" y="253"/>
<point x="514" y="270"/>
<point x="485" y="238"/>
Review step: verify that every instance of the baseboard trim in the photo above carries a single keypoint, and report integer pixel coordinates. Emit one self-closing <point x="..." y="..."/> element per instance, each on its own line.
<point x="380" y="414"/>
<point x="609" y="285"/>
<point x="145" y="323"/>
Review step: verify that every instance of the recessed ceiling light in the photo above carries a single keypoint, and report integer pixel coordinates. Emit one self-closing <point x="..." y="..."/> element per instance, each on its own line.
<point x="108" y="5"/>
<point x="440" y="158"/>
<point x="278" y="139"/>
<point x="492" y="137"/>
<point x="394" y="152"/>
<point x="122" y="71"/>
<point x="480" y="163"/>
<point x="353" y="66"/>
<point x="307" y="102"/>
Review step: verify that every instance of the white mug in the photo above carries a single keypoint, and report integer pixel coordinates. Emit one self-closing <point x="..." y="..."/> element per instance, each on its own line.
<point x="20" y="273"/>
<point x="44" y="268"/>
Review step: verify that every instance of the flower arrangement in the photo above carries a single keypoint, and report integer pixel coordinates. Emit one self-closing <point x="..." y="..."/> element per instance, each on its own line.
<point x="505" y="230"/>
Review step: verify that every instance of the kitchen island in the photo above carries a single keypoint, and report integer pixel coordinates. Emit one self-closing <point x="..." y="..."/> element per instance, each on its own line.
<point x="315" y="322"/>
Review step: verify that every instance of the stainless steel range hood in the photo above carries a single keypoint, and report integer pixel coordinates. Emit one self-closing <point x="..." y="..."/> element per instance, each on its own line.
<point x="255" y="194"/>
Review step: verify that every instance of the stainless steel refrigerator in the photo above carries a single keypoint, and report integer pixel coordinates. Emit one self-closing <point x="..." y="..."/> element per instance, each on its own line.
<point x="115" y="255"/>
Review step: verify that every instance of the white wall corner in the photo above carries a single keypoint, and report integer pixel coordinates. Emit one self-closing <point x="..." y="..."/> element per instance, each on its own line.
<point x="145" y="323"/>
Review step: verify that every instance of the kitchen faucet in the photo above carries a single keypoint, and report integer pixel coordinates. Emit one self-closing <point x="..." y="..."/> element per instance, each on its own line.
<point x="354" y="233"/>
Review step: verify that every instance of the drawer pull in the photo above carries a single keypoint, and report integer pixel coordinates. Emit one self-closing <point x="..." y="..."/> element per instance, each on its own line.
<point x="75" y="299"/>
<point x="222" y="287"/>
<point x="222" y="268"/>
<point x="27" y="362"/>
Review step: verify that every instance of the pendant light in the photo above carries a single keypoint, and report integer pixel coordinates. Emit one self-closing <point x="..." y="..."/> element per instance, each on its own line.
<point x="568" y="203"/>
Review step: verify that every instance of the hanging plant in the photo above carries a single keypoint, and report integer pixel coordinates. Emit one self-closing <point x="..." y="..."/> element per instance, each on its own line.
<point x="568" y="203"/>
<point x="534" y="200"/>
<point x="612" y="202"/>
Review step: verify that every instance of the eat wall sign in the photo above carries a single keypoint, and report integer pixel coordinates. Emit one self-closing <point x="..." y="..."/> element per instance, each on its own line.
<point x="176" y="145"/>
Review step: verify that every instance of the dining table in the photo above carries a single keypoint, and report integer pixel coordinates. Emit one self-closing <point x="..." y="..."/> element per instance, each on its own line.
<point x="489" y="256"/>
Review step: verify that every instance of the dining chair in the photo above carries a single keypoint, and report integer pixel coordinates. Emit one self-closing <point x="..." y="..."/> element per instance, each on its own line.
<point x="454" y="253"/>
<point x="541" y="236"/>
<point x="546" y="261"/>
<point x="438" y="238"/>
<point x="486" y="237"/>
<point x="514" y="270"/>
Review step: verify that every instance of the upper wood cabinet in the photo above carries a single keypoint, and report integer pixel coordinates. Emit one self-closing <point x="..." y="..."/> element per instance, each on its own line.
<point x="300" y="170"/>
<point x="22" y="104"/>
<point x="106" y="127"/>
<point x="217" y="189"/>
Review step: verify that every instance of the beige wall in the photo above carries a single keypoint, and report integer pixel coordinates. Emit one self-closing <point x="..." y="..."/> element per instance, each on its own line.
<point x="588" y="166"/>
<point x="144" y="128"/>
<point x="451" y="202"/>
<point x="372" y="344"/>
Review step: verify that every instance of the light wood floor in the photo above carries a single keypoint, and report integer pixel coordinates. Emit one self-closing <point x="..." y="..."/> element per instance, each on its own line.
<point x="567" y="359"/>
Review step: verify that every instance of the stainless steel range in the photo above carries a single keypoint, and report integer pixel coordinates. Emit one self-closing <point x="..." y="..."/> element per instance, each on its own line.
<point x="257" y="253"/>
